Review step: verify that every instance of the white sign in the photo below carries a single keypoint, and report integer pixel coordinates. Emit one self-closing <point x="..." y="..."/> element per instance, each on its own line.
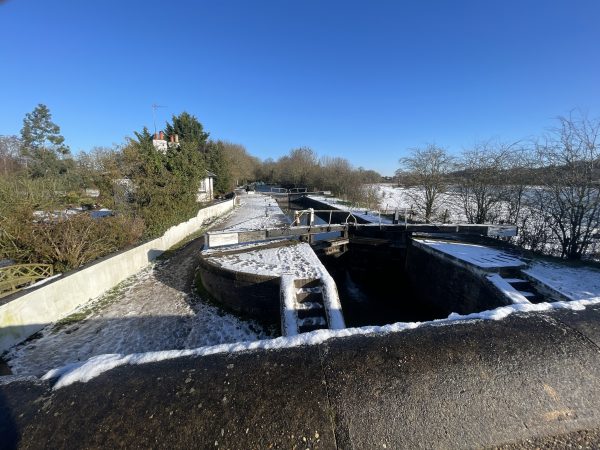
<point x="217" y="240"/>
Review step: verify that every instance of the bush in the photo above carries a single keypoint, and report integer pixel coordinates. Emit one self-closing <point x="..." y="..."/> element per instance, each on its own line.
<point x="66" y="242"/>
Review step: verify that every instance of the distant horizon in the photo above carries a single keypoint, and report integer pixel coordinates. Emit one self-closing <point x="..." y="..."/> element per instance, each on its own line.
<point x="363" y="82"/>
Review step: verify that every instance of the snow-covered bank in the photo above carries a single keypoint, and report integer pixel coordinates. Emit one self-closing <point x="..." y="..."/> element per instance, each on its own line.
<point x="150" y="311"/>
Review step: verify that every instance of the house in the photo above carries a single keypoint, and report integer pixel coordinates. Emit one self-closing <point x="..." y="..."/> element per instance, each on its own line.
<point x="160" y="143"/>
<point x="205" y="191"/>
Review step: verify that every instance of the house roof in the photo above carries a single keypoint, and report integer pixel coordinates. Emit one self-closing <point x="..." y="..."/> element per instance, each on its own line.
<point x="210" y="174"/>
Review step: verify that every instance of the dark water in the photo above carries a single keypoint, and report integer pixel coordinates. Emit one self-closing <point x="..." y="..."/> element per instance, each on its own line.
<point x="372" y="294"/>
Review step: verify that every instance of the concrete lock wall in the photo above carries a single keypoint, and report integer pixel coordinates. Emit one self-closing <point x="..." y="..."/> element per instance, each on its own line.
<point x="32" y="310"/>
<point x="254" y="295"/>
<point x="460" y="288"/>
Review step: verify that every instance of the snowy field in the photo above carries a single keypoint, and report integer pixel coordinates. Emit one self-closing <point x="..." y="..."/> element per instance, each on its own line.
<point x="409" y="199"/>
<point x="157" y="309"/>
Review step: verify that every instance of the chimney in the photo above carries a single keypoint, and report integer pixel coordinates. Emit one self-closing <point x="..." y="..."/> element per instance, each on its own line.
<point x="162" y="136"/>
<point x="177" y="138"/>
<point x="172" y="139"/>
<point x="155" y="136"/>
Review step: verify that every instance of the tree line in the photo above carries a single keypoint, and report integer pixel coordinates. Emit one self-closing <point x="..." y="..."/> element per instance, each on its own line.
<point x="549" y="187"/>
<point x="302" y="167"/>
<point x="43" y="185"/>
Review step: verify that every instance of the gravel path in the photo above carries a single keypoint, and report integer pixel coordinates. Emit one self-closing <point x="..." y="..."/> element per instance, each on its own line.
<point x="157" y="309"/>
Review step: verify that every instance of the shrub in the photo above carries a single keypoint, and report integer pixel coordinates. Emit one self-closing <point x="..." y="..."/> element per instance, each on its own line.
<point x="66" y="242"/>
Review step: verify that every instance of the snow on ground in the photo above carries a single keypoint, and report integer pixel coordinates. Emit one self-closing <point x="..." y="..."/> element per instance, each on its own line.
<point x="410" y="199"/>
<point x="149" y="312"/>
<point x="295" y="258"/>
<point x="478" y="255"/>
<point x="256" y="211"/>
<point x="575" y="283"/>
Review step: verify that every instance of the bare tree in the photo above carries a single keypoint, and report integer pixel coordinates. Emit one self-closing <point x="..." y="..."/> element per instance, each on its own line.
<point x="241" y="164"/>
<point x="427" y="169"/>
<point x="482" y="183"/>
<point x="570" y="196"/>
<point x="9" y="154"/>
<point x="519" y="163"/>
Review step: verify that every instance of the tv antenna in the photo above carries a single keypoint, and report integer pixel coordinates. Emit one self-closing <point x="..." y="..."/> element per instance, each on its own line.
<point x="154" y="108"/>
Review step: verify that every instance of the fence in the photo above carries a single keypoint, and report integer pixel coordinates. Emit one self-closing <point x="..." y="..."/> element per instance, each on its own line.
<point x="14" y="278"/>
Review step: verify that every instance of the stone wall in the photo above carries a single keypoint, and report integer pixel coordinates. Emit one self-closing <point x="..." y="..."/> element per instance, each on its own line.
<point x="29" y="311"/>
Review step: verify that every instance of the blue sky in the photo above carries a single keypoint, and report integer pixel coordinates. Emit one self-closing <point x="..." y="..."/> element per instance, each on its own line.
<point x="363" y="80"/>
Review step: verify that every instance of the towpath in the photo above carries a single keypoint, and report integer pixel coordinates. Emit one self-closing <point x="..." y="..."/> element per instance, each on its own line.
<point x="157" y="309"/>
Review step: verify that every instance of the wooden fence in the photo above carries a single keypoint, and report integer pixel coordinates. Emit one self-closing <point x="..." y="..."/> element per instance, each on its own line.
<point x="15" y="278"/>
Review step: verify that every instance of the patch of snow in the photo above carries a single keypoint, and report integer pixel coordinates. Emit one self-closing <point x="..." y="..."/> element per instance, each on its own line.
<point x="44" y="281"/>
<point x="289" y="315"/>
<point x="256" y="211"/>
<point x="151" y="311"/>
<point x="478" y="255"/>
<point x="297" y="259"/>
<point x="575" y="283"/>
<point x="331" y="299"/>
<point x="507" y="289"/>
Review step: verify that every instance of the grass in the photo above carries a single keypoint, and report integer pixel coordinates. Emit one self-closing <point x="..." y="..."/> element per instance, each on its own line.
<point x="94" y="306"/>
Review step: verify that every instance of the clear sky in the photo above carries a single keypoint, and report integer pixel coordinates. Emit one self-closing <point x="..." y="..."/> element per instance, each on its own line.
<point x="364" y="80"/>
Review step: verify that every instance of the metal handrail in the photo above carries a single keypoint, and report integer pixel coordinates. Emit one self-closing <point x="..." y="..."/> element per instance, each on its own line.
<point x="310" y="211"/>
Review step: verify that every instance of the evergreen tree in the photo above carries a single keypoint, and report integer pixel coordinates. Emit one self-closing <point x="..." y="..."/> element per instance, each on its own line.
<point x="42" y="144"/>
<point x="165" y="184"/>
<point x="217" y="163"/>
<point x="144" y="136"/>
<point x="188" y="128"/>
